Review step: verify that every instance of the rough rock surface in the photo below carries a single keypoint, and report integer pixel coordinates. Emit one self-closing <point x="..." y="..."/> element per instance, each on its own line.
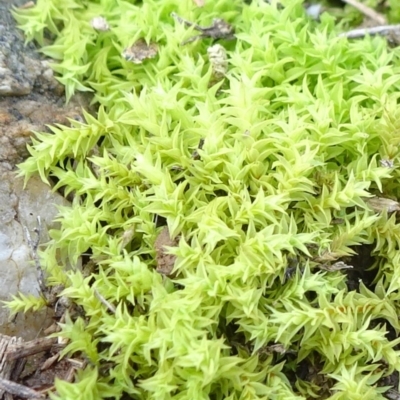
<point x="30" y="99"/>
<point x="19" y="209"/>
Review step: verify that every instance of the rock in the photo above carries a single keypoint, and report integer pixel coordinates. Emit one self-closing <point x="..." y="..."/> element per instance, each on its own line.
<point x="19" y="208"/>
<point x="30" y="96"/>
<point x="21" y="69"/>
<point x="21" y="116"/>
<point x="30" y="99"/>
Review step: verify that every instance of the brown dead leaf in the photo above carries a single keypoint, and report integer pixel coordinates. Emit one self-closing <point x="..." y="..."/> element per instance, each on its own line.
<point x="165" y="261"/>
<point x="379" y="204"/>
<point x="140" y="51"/>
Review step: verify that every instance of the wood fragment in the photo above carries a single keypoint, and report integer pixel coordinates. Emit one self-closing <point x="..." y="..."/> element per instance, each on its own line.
<point x="18" y="368"/>
<point x="19" y="390"/>
<point x="6" y="366"/>
<point x="26" y="349"/>
<point x="367" y="11"/>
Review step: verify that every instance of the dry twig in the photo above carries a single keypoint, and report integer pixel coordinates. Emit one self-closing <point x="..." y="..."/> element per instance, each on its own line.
<point x="384" y="30"/>
<point x="106" y="303"/>
<point x="19" y="390"/>
<point x="220" y="29"/>
<point x="367" y="11"/>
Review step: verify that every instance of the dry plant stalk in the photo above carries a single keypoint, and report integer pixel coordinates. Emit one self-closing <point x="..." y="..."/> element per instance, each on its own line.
<point x="367" y="11"/>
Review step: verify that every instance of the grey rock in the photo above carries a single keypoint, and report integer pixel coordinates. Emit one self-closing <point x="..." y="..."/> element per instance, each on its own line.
<point x="30" y="99"/>
<point x="19" y="208"/>
<point x="21" y="69"/>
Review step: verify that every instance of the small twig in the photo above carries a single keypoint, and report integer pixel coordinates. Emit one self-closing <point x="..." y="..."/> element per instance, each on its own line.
<point x="105" y="302"/>
<point x="367" y="11"/>
<point x="19" y="390"/>
<point x="34" y="245"/>
<point x="376" y="30"/>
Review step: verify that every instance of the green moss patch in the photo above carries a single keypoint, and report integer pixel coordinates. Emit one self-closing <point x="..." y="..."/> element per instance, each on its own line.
<point x="260" y="167"/>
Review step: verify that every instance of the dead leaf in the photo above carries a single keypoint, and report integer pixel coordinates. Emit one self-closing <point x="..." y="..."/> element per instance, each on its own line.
<point x="165" y="261"/>
<point x="379" y="204"/>
<point x="199" y="3"/>
<point x="140" y="51"/>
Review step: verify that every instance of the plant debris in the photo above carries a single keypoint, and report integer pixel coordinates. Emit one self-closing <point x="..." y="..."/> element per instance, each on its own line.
<point x="392" y="32"/>
<point x="140" y="51"/>
<point x="219" y="29"/>
<point x="367" y="11"/>
<point x="219" y="61"/>
<point x="165" y="261"/>
<point x="100" y="24"/>
<point x="337" y="266"/>
<point x="379" y="204"/>
<point x="195" y="154"/>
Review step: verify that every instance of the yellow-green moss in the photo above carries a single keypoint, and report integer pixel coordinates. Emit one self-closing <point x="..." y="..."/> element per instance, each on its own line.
<point x="304" y="127"/>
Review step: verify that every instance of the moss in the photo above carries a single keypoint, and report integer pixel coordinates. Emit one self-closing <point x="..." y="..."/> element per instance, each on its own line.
<point x="262" y="178"/>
